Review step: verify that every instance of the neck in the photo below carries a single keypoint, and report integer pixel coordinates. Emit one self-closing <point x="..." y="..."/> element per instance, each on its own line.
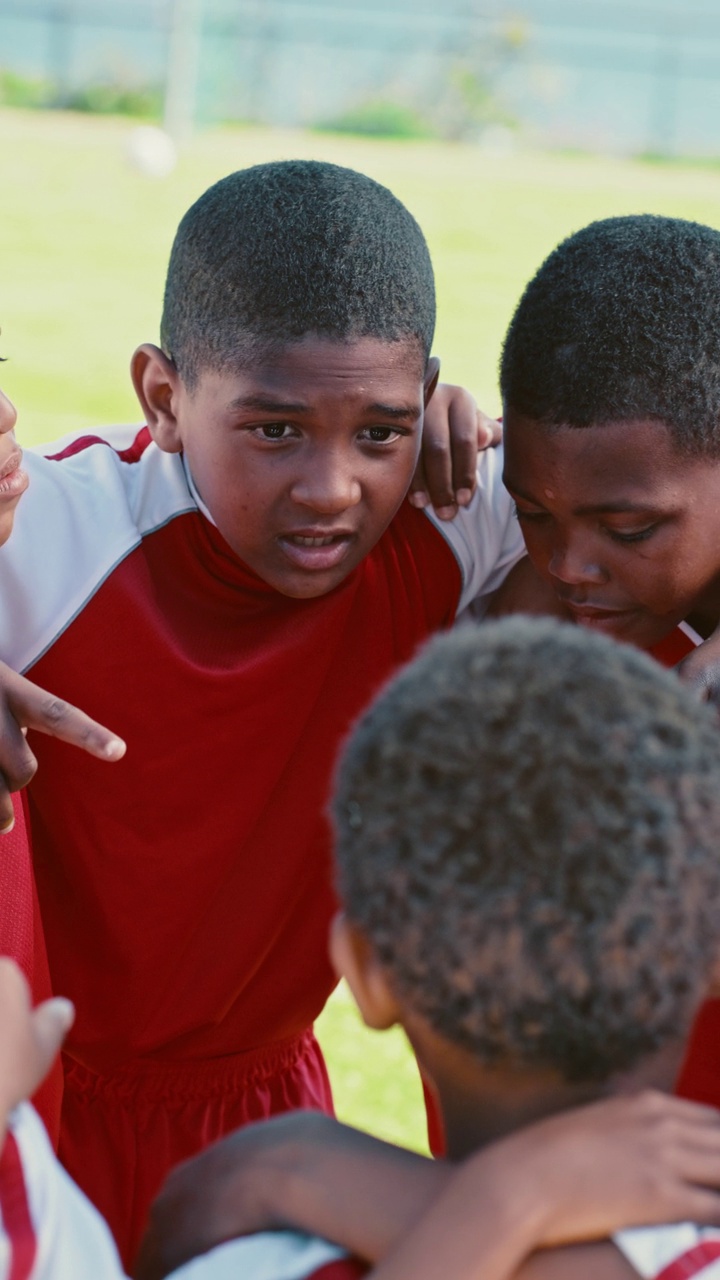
<point x="480" y="1105"/>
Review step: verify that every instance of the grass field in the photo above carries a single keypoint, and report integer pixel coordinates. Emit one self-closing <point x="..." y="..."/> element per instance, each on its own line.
<point x="84" y="241"/>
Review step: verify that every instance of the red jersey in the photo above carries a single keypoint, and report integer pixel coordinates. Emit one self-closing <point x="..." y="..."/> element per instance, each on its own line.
<point x="186" y="891"/>
<point x="21" y="938"/>
<point x="700" y="1075"/>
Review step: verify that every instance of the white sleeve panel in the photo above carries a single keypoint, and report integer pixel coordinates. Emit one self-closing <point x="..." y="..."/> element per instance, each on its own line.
<point x="272" y="1255"/>
<point x="73" y="1242"/>
<point x="485" y="536"/>
<point x="650" y="1250"/>
<point x="79" y="518"/>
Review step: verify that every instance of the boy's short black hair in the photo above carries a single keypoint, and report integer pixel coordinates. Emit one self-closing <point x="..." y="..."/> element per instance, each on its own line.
<point x="622" y="322"/>
<point x="279" y="251"/>
<point x="528" y="825"/>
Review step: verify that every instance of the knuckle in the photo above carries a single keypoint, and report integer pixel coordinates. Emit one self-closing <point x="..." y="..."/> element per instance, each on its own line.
<point x="54" y="710"/>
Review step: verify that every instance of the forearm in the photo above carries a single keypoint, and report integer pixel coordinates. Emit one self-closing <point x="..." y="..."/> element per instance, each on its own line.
<point x="348" y="1187"/>
<point x="476" y="1229"/>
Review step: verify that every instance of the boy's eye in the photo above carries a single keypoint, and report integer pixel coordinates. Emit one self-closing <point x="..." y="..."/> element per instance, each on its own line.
<point x="529" y="515"/>
<point x="273" y="431"/>
<point x="634" y="535"/>
<point x="380" y="435"/>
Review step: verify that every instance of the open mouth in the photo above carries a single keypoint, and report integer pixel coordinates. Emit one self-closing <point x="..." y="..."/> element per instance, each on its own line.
<point x="315" y="551"/>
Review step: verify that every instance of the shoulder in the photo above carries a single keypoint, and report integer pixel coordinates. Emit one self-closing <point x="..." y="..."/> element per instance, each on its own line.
<point x="88" y="505"/>
<point x="484" y="536"/>
<point x="676" y="1251"/>
<point x="47" y="1226"/>
<point x="274" y="1255"/>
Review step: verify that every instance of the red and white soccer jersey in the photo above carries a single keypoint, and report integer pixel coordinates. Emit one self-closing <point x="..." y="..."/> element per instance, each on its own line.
<point x="274" y="1255"/>
<point x="48" y="1230"/>
<point x="699" y="1077"/>
<point x="21" y="938"/>
<point x="186" y="891"/>
<point x="680" y="1251"/>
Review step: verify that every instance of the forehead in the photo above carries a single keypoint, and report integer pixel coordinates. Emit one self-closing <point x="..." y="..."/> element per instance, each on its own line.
<point x="606" y="464"/>
<point x="315" y="367"/>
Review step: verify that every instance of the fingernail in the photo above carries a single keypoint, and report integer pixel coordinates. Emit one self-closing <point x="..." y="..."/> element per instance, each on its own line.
<point x="5" y="831"/>
<point x="464" y="496"/>
<point x="114" y="750"/>
<point x="65" y="1010"/>
<point x="446" y="513"/>
<point x="419" y="499"/>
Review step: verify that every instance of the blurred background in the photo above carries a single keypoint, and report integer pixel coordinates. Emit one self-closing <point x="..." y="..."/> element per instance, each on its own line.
<point x="502" y="126"/>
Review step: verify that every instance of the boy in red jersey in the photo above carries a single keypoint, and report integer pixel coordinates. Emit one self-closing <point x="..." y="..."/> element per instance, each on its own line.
<point x="21" y="935"/>
<point x="50" y="1231"/>
<point x="231" y="583"/>
<point x="524" y="818"/>
<point x="611" y="386"/>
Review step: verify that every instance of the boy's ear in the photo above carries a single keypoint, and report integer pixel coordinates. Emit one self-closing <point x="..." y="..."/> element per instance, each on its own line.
<point x="355" y="961"/>
<point x="430" y="380"/>
<point x="157" y="384"/>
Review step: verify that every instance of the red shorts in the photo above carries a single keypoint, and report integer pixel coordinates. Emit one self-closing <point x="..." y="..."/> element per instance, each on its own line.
<point x="123" y="1132"/>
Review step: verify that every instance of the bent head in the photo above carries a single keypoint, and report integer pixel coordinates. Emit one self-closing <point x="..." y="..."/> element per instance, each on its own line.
<point x="13" y="480"/>
<point x="611" y="384"/>
<point x="294" y="370"/>
<point x="527" y="823"/>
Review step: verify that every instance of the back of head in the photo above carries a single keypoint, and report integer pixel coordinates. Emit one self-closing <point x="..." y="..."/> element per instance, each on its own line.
<point x="279" y="251"/>
<point x="622" y="322"/>
<point x="528" y="824"/>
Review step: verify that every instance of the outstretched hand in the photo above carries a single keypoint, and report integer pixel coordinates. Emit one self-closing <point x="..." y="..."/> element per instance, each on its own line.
<point x="23" y="706"/>
<point x="455" y="430"/>
<point x="30" y="1039"/>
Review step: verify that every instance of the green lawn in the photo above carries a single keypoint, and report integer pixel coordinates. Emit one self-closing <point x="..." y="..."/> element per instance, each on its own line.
<point x="84" y="241"/>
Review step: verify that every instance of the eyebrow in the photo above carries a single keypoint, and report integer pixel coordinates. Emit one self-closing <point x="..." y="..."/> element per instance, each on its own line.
<point x="593" y="508"/>
<point x="266" y="404"/>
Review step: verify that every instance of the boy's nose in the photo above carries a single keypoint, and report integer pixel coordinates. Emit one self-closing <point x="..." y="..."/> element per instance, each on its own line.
<point x="572" y="565"/>
<point x="8" y="414"/>
<point x="327" y="489"/>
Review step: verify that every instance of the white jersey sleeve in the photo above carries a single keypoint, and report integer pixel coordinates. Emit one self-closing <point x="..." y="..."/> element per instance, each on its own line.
<point x="276" y="1255"/>
<point x="679" y="1251"/>
<point x="484" y="536"/>
<point x="80" y="517"/>
<point x="48" y="1229"/>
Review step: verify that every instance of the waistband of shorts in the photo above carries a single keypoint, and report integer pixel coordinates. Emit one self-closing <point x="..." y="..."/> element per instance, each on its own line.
<point x="194" y="1077"/>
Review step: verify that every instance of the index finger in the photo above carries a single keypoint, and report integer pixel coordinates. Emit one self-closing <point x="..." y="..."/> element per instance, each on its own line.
<point x="34" y="708"/>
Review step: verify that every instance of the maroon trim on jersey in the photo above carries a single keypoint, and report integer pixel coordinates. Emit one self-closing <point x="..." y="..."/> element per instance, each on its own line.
<point x="341" y="1269"/>
<point x="692" y="1262"/>
<point x="16" y="1212"/>
<point x="133" y="453"/>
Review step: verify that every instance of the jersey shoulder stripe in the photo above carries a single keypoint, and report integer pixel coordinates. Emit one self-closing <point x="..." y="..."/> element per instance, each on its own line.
<point x="86" y="509"/>
<point x="485" y="536"/>
<point x="678" y="1251"/>
<point x="273" y="1255"/>
<point x="19" y="1242"/>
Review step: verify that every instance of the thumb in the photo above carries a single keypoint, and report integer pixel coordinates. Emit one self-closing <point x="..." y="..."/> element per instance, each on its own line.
<point x="51" y="1022"/>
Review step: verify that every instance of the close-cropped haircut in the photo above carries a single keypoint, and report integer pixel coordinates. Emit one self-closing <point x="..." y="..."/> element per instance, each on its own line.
<point x="527" y="830"/>
<point x="622" y="322"/>
<point x="279" y="251"/>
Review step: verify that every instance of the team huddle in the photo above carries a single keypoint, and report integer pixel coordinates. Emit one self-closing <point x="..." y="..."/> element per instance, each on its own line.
<point x="504" y="838"/>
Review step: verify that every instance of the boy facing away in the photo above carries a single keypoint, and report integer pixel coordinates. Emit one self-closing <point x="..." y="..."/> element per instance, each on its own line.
<point x="228" y="588"/>
<point x="585" y="1172"/>
<point x="527" y="823"/>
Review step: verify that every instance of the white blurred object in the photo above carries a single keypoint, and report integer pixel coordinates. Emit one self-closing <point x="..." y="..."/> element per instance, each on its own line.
<point x="152" y="151"/>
